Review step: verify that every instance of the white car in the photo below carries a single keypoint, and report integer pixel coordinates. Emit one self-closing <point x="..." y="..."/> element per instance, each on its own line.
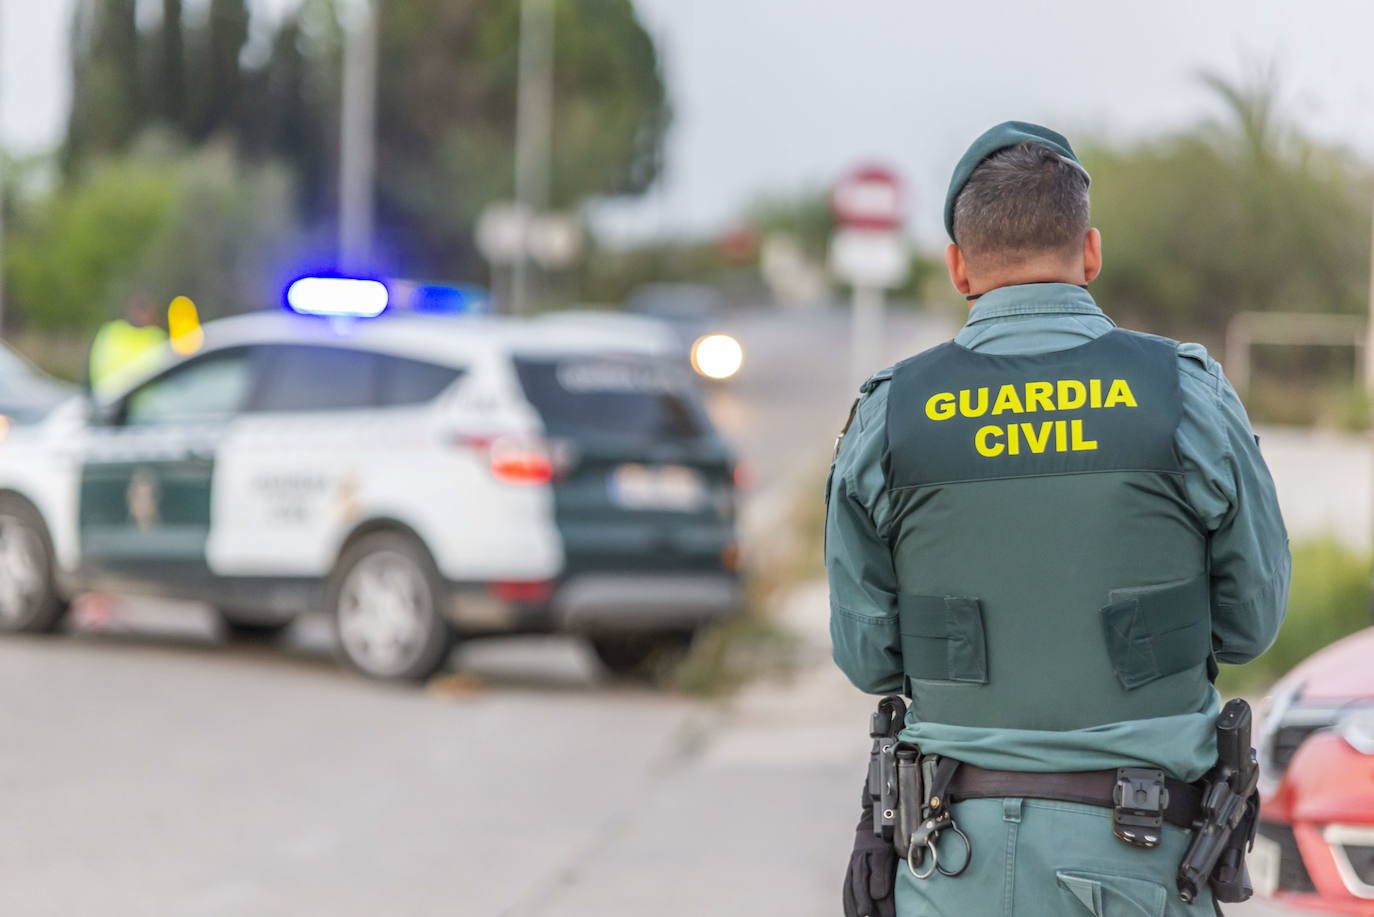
<point x="26" y="394"/>
<point x="416" y="477"/>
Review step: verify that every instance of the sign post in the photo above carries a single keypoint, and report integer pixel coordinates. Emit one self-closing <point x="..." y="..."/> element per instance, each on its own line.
<point x="868" y="252"/>
<point x="509" y="232"/>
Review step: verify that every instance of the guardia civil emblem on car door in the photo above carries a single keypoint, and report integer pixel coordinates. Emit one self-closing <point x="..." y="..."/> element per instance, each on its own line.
<point x="142" y="496"/>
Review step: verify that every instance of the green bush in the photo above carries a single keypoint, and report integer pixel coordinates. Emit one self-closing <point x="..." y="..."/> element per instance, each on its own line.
<point x="1329" y="599"/>
<point x="1308" y="402"/>
<point x="159" y="221"/>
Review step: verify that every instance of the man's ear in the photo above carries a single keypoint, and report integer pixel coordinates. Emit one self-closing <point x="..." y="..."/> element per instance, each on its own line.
<point x="958" y="269"/>
<point x="1092" y="255"/>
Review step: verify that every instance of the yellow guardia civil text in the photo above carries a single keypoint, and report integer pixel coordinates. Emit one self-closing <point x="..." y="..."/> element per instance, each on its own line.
<point x="1037" y="436"/>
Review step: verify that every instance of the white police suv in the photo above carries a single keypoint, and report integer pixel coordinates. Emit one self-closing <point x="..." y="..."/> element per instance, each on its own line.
<point x="416" y="477"/>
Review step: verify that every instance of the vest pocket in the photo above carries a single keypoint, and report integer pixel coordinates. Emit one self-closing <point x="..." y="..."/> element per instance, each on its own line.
<point x="942" y="638"/>
<point x="1156" y="631"/>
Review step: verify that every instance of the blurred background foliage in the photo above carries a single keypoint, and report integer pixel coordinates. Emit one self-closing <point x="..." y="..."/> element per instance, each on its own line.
<point x="158" y="218"/>
<point x="1240" y="213"/>
<point x="211" y="130"/>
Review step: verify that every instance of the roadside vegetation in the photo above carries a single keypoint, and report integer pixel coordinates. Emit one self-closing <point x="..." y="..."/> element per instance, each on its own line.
<point x="1330" y="599"/>
<point x="730" y="654"/>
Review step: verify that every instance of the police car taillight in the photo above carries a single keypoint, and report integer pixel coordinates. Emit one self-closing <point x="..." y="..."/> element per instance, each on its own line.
<point x="516" y="458"/>
<point x="521" y="591"/>
<point x="521" y="461"/>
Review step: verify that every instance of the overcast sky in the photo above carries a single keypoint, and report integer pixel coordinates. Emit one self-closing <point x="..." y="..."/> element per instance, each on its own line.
<point x="779" y="95"/>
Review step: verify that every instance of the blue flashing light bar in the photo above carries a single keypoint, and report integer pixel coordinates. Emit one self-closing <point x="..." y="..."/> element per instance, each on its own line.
<point x="338" y="297"/>
<point x="438" y="299"/>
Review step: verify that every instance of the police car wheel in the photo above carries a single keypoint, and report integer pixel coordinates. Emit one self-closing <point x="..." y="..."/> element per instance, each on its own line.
<point x="385" y="598"/>
<point x="29" y="602"/>
<point x="644" y="657"/>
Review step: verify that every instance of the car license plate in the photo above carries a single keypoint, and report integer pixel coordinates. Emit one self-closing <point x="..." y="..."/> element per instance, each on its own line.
<point x="1263" y="862"/>
<point x="675" y="488"/>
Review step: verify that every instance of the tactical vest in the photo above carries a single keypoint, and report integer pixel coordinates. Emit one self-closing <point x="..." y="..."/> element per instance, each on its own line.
<point x="1052" y="574"/>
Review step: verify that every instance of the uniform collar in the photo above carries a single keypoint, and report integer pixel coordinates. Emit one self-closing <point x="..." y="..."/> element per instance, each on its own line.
<point x="1034" y="299"/>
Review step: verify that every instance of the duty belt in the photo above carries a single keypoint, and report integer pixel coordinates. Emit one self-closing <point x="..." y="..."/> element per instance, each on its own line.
<point x="1127" y="790"/>
<point x="913" y="795"/>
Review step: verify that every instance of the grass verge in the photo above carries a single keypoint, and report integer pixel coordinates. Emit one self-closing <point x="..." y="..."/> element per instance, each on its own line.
<point x="727" y="655"/>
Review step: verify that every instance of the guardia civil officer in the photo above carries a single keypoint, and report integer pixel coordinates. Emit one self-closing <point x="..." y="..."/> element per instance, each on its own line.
<point x="125" y="346"/>
<point x="1046" y="533"/>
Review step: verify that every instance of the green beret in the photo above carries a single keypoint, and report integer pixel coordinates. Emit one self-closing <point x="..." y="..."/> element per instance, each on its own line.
<point x="1006" y="134"/>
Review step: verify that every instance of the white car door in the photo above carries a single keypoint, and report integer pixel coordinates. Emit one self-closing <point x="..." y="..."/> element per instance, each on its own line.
<point x="328" y="439"/>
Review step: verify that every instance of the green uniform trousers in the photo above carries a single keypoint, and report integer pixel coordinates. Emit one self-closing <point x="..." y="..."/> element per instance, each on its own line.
<point x="1036" y="858"/>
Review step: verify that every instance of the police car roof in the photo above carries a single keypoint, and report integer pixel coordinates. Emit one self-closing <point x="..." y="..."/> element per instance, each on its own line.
<point x="450" y="339"/>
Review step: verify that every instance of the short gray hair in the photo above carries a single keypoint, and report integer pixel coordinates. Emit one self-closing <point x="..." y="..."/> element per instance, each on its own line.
<point x="1022" y="201"/>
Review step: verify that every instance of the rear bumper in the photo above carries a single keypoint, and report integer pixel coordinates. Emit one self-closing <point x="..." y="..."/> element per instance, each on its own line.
<point x="601" y="602"/>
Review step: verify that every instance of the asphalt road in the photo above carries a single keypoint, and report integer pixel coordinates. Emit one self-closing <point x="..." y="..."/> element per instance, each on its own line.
<point x="150" y="769"/>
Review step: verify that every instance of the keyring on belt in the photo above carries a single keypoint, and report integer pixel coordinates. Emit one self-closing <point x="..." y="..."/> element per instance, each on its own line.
<point x="932" y="846"/>
<point x="968" y="853"/>
<point x="934" y="859"/>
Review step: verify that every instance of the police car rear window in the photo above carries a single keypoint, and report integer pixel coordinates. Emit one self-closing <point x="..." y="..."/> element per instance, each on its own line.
<point x="305" y="378"/>
<point x="403" y="381"/>
<point x="610" y="395"/>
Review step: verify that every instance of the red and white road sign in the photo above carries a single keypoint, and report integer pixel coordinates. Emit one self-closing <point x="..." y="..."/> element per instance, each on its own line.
<point x="868" y="197"/>
<point x="868" y="249"/>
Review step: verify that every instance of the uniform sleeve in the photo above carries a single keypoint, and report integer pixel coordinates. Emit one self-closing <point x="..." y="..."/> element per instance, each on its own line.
<point x="863" y="583"/>
<point x="1229" y="486"/>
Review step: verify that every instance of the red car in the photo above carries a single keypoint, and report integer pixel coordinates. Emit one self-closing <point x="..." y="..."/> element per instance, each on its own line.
<point x="1315" y="845"/>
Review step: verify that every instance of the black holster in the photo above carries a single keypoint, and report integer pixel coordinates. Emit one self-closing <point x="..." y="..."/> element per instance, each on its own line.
<point x="1230" y="813"/>
<point x="884" y="725"/>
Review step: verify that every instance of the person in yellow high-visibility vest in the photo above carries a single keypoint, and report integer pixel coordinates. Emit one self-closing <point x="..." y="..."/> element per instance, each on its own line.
<point x="125" y="346"/>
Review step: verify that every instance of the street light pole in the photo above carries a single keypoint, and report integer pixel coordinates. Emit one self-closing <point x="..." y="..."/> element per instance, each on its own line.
<point x="357" y="141"/>
<point x="533" y="131"/>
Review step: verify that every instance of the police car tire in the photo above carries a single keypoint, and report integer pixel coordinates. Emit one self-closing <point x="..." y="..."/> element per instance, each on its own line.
<point x="648" y="657"/>
<point x="46" y="612"/>
<point x="438" y="639"/>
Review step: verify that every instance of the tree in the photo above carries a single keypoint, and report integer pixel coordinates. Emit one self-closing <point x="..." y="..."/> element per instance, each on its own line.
<point x="447" y="88"/>
<point x="219" y="100"/>
<point x="1241" y="213"/>
<point x="171" y="70"/>
<point x="107" y="104"/>
<point x="155" y="221"/>
<point x="447" y="101"/>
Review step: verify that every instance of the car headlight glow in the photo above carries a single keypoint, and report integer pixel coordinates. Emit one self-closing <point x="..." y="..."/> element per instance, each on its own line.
<point x="717" y="356"/>
<point x="1357" y="728"/>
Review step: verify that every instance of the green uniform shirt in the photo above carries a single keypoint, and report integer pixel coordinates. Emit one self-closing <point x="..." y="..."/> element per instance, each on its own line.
<point x="1226" y="482"/>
